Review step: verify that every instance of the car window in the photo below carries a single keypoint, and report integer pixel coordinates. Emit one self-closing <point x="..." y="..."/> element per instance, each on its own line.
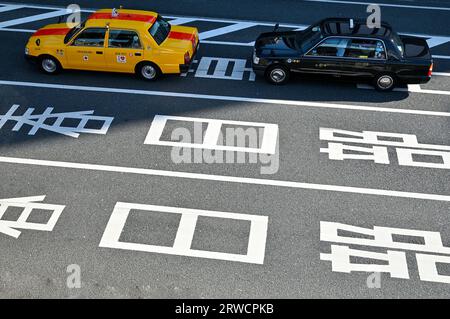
<point x="365" y="49"/>
<point x="330" y="47"/>
<point x="160" y="30"/>
<point x="124" y="39"/>
<point x="310" y="37"/>
<point x="93" y="37"/>
<point x="72" y="32"/>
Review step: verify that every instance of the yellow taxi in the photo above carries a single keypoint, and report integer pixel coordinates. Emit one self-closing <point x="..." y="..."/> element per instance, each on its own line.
<point x="117" y="40"/>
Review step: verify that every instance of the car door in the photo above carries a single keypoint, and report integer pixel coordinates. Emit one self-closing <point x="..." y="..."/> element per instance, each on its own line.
<point x="124" y="50"/>
<point x="86" y="51"/>
<point x="325" y="57"/>
<point x="364" y="58"/>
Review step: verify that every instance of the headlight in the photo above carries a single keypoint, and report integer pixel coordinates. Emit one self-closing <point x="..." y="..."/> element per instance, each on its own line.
<point x="255" y="58"/>
<point x="27" y="51"/>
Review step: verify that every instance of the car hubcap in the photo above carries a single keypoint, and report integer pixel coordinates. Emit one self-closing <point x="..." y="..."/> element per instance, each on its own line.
<point x="385" y="82"/>
<point x="148" y="72"/>
<point x="49" y="65"/>
<point x="277" y="75"/>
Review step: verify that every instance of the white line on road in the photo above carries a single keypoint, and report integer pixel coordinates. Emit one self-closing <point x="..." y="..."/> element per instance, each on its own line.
<point x="383" y="4"/>
<point x="18" y="30"/>
<point x="441" y="73"/>
<point x="415" y="88"/>
<point x="185" y="234"/>
<point x="225" y="30"/>
<point x="179" y="21"/>
<point x="225" y="98"/>
<point x="223" y="178"/>
<point x="37" y="17"/>
<point x="446" y="57"/>
<point x="10" y="8"/>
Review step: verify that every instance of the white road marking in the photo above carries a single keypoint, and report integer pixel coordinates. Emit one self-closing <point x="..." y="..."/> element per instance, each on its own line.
<point x="238" y="44"/>
<point x="376" y="138"/>
<point x="37" y="17"/>
<point x="10" y="8"/>
<point x="428" y="270"/>
<point x="227" y="179"/>
<point x="414" y="88"/>
<point x="436" y="40"/>
<point x="37" y="121"/>
<point x="211" y="135"/>
<point x="17" y="30"/>
<point x="44" y="7"/>
<point x="406" y="158"/>
<point x="28" y="204"/>
<point x="382" y="4"/>
<point x="446" y="57"/>
<point x="441" y="73"/>
<point x="395" y="262"/>
<point x="179" y="21"/>
<point x="225" y="30"/>
<point x="185" y="234"/>
<point x="219" y="72"/>
<point x="407" y="146"/>
<point x="383" y="237"/>
<point x="295" y="103"/>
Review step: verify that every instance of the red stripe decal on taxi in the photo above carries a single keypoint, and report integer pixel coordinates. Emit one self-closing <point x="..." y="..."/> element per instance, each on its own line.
<point x="57" y="31"/>
<point x="181" y="36"/>
<point x="123" y="16"/>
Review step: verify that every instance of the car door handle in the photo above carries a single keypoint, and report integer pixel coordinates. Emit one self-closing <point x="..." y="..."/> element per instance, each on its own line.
<point x="137" y="54"/>
<point x="99" y="52"/>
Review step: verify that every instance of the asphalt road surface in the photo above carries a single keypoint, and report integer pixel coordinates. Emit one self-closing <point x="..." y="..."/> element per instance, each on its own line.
<point x="345" y="194"/>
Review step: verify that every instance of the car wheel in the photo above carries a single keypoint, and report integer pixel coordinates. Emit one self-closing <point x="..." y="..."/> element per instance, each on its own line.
<point x="49" y="65"/>
<point x="277" y="74"/>
<point x="384" y="82"/>
<point x="148" y="71"/>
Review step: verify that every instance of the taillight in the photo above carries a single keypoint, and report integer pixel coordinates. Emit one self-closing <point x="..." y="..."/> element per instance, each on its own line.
<point x="187" y="58"/>
<point x="430" y="70"/>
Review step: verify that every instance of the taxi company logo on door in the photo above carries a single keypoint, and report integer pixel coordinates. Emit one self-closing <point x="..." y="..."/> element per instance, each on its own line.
<point x="121" y="59"/>
<point x="210" y="141"/>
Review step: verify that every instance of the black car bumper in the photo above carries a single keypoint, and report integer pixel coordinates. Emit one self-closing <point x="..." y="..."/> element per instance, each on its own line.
<point x="415" y="79"/>
<point x="184" y="68"/>
<point x="259" y="70"/>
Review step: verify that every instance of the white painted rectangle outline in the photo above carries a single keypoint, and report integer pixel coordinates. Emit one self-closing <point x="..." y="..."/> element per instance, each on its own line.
<point x="185" y="233"/>
<point x="268" y="144"/>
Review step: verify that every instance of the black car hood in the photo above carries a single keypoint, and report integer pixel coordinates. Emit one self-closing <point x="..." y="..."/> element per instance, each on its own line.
<point x="277" y="44"/>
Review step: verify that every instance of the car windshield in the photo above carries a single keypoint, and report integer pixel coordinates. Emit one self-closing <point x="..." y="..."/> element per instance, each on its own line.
<point x="309" y="38"/>
<point x="72" y="32"/>
<point x="160" y="30"/>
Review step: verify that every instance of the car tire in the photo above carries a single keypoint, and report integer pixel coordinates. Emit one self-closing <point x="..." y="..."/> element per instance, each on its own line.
<point x="384" y="82"/>
<point x="277" y="74"/>
<point x="148" y="71"/>
<point x="49" y="65"/>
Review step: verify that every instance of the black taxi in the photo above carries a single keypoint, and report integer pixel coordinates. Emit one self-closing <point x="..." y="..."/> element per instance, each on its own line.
<point x="344" y="47"/>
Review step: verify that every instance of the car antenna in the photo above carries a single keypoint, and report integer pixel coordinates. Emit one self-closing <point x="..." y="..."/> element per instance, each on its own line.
<point x="275" y="28"/>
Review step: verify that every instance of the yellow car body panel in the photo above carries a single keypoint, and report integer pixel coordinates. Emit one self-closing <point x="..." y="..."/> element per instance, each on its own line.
<point x="61" y="41"/>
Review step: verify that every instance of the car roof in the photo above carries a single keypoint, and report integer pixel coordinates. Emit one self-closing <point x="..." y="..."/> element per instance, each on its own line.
<point x="341" y="26"/>
<point x="130" y="19"/>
